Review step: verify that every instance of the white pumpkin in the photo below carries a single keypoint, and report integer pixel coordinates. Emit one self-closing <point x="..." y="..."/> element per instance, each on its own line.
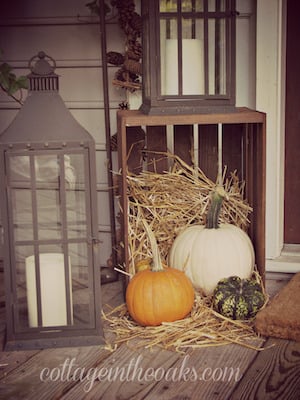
<point x="209" y="254"/>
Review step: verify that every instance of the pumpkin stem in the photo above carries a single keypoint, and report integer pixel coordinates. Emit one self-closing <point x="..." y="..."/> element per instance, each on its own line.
<point x="156" y="263"/>
<point x="212" y="218"/>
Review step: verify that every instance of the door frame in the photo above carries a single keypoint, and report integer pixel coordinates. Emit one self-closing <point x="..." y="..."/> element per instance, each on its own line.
<point x="270" y="98"/>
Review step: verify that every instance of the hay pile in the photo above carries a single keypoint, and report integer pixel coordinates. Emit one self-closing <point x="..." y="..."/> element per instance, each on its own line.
<point x="170" y="202"/>
<point x="202" y="328"/>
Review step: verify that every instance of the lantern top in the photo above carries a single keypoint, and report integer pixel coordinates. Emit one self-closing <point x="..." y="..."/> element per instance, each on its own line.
<point x="42" y="77"/>
<point x="42" y="66"/>
<point x="44" y="117"/>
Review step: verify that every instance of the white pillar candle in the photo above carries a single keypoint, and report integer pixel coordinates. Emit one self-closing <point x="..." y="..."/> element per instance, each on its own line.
<point x="192" y="67"/>
<point x="53" y="290"/>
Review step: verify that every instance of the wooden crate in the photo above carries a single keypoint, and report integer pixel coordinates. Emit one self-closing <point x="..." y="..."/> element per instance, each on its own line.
<point x="244" y="150"/>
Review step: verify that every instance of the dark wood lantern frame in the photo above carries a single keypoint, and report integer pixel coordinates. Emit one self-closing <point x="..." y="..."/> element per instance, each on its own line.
<point x="156" y="102"/>
<point x="50" y="226"/>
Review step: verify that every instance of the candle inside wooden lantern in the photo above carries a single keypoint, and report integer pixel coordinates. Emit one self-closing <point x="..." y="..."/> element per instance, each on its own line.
<point x="53" y="290"/>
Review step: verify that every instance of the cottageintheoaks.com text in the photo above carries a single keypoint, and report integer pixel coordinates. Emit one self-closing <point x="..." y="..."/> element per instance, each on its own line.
<point x="70" y="370"/>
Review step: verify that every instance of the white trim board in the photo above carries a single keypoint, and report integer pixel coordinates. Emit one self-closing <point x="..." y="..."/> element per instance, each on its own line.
<point x="270" y="98"/>
<point x="288" y="261"/>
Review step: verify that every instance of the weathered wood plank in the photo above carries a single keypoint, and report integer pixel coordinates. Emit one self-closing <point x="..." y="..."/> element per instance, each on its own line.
<point x="234" y="149"/>
<point x="11" y="360"/>
<point x="276" y="281"/>
<point x="127" y="374"/>
<point x="138" y="118"/>
<point x="214" y="372"/>
<point x="156" y="142"/>
<point x="135" y="142"/>
<point x="184" y="142"/>
<point x="46" y="376"/>
<point x="208" y="150"/>
<point x="112" y="295"/>
<point x="275" y="373"/>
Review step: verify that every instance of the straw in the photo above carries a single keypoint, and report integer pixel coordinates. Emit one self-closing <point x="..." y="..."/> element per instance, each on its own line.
<point x="174" y="200"/>
<point x="204" y="327"/>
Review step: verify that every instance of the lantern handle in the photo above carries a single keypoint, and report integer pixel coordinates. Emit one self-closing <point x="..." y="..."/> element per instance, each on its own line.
<point x="42" y="66"/>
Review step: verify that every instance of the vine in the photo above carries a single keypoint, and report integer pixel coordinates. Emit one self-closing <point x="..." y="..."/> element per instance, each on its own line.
<point x="10" y="83"/>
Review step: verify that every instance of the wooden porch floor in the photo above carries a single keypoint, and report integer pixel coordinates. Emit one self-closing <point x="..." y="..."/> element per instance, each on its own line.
<point x="224" y="372"/>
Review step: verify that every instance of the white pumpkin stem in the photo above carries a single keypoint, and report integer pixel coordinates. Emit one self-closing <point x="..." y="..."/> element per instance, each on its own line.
<point x="156" y="263"/>
<point x="213" y="214"/>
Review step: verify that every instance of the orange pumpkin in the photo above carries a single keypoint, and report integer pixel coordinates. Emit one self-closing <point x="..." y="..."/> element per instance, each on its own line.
<point x="159" y="294"/>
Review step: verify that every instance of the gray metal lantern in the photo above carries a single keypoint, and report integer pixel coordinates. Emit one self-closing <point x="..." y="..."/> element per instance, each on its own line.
<point x="49" y="218"/>
<point x="188" y="56"/>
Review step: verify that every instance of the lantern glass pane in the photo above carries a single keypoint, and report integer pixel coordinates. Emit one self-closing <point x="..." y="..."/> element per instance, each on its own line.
<point x="211" y="5"/>
<point x="19" y="170"/>
<point x="47" y="191"/>
<point x="192" y="5"/>
<point x="169" y="56"/>
<point x="182" y="75"/>
<point x="217" y="56"/>
<point x="55" y="291"/>
<point x="76" y="197"/>
<point x="76" y="214"/>
<point x="48" y="283"/>
<point x="48" y="213"/>
<point x="21" y="294"/>
<point x="168" y="6"/>
<point x="21" y="197"/>
<point x="216" y="5"/>
<point x="82" y="290"/>
<point x="21" y="202"/>
<point x="192" y="57"/>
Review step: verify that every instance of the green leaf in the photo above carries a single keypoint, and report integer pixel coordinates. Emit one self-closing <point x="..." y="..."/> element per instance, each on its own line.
<point x="13" y="88"/>
<point x="9" y="82"/>
<point x="22" y="82"/>
<point x="4" y="81"/>
<point x="5" y="68"/>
